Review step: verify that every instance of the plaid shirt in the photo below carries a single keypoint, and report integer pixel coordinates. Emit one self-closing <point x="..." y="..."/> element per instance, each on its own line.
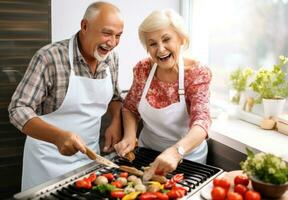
<point x="45" y="83"/>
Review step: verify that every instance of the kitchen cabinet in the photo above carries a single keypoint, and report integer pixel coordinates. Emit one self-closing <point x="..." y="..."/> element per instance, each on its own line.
<point x="25" y="27"/>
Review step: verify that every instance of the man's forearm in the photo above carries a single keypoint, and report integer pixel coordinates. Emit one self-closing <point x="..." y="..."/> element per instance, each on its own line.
<point x="114" y="109"/>
<point x="41" y="130"/>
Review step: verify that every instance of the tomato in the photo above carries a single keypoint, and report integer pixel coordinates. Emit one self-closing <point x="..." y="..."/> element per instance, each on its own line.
<point x="240" y="189"/>
<point x="177" y="178"/>
<point x="176" y="193"/>
<point x="83" y="184"/>
<point x="109" y="176"/>
<point x="148" y="196"/>
<point x="91" y="177"/>
<point x="161" y="196"/>
<point x="180" y="188"/>
<point x="241" y="179"/>
<point x="124" y="174"/>
<point x="117" y="184"/>
<point x="117" y="193"/>
<point x="216" y="181"/>
<point x="169" y="184"/>
<point x="224" y="183"/>
<point x="218" y="193"/>
<point x="252" y="195"/>
<point x="234" y="196"/>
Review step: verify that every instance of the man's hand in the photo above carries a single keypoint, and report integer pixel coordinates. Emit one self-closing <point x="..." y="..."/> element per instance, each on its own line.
<point x="69" y="143"/>
<point x="112" y="136"/>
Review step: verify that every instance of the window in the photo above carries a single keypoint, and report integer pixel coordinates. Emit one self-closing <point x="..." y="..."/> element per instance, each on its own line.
<point x="227" y="34"/>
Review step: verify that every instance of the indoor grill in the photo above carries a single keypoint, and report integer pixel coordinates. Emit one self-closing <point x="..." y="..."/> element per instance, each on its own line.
<point x="196" y="176"/>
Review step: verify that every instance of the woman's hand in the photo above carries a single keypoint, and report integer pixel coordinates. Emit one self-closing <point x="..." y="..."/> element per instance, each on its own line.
<point x="125" y="146"/>
<point x="68" y="143"/>
<point x="166" y="162"/>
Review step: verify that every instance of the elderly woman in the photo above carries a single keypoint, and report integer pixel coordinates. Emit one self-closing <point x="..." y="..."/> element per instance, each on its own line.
<point x="170" y="94"/>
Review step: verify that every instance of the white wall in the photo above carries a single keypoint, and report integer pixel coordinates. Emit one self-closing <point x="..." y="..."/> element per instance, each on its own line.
<point x="67" y="14"/>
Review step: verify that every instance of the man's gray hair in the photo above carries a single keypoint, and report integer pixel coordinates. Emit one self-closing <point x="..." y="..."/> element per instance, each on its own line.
<point x="95" y="7"/>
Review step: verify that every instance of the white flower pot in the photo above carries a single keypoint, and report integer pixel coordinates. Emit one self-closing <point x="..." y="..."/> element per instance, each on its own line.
<point x="273" y="107"/>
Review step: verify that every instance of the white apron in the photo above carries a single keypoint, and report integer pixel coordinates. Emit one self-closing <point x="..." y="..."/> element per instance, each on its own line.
<point x="85" y="103"/>
<point x="163" y="127"/>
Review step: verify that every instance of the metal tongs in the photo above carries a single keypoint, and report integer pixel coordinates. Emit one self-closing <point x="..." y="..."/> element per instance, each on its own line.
<point x="101" y="160"/>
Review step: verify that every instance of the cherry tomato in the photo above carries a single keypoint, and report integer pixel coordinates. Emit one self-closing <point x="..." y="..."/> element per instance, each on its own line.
<point x="240" y="189"/>
<point x="216" y="181"/>
<point x="177" y="178"/>
<point x="176" y="193"/>
<point x="91" y="177"/>
<point x="124" y="174"/>
<point x="109" y="176"/>
<point x="117" y="193"/>
<point x="218" y="193"/>
<point x="148" y="196"/>
<point x="180" y="188"/>
<point x="169" y="184"/>
<point x="161" y="196"/>
<point x="224" y="183"/>
<point x="241" y="179"/>
<point x="252" y="195"/>
<point x="83" y="184"/>
<point x="117" y="184"/>
<point x="234" y="196"/>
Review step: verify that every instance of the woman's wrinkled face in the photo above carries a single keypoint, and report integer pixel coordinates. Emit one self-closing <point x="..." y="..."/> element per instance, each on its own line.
<point x="164" y="47"/>
<point x="103" y="35"/>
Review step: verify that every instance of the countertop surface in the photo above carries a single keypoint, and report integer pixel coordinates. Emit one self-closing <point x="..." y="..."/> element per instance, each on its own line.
<point x="239" y="134"/>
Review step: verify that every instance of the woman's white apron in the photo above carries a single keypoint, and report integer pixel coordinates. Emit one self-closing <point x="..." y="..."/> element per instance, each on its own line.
<point x="163" y="127"/>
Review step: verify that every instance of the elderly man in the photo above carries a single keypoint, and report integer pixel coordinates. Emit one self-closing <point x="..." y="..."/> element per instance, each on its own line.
<point x="65" y="91"/>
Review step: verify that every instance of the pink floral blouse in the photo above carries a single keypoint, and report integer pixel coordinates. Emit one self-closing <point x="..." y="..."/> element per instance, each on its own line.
<point x="162" y="94"/>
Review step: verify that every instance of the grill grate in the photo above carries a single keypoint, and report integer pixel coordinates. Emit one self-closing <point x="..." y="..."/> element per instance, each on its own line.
<point x="196" y="175"/>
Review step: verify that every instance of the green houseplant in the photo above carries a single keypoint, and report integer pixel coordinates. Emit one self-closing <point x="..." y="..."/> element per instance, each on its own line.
<point x="239" y="80"/>
<point x="271" y="84"/>
<point x="268" y="173"/>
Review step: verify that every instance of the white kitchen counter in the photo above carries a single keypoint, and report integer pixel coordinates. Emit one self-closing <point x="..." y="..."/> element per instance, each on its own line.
<point x="239" y="134"/>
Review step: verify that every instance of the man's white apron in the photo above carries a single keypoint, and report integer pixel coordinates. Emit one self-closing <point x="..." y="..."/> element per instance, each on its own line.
<point x="85" y="103"/>
<point x="163" y="127"/>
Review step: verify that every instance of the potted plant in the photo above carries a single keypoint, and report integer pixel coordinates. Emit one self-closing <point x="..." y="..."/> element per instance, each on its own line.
<point x="271" y="87"/>
<point x="267" y="172"/>
<point x="239" y="80"/>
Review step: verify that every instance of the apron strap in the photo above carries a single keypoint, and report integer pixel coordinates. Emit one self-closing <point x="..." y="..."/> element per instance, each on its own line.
<point x="181" y="91"/>
<point x="71" y="56"/>
<point x="148" y="82"/>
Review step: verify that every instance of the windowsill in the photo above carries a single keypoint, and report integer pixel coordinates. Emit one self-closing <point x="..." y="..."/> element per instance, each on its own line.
<point x="238" y="135"/>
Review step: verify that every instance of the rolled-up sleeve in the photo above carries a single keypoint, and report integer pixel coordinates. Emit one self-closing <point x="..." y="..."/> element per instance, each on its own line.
<point x="198" y="95"/>
<point x="28" y="94"/>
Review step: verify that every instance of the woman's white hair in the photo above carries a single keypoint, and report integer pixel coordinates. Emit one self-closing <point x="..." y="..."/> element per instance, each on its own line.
<point x="160" y="19"/>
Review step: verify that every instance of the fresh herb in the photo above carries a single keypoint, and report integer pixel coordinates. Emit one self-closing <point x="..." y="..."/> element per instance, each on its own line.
<point x="265" y="167"/>
<point x="239" y="81"/>
<point x="271" y="84"/>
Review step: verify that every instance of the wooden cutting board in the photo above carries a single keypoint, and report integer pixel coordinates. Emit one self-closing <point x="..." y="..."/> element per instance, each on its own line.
<point x="231" y="175"/>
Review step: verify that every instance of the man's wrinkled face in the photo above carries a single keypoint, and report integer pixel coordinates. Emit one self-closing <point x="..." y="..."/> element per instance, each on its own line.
<point x="103" y="34"/>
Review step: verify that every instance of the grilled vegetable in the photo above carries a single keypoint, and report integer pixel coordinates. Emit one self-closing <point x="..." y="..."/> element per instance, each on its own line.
<point x="131" y="196"/>
<point x="101" y="180"/>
